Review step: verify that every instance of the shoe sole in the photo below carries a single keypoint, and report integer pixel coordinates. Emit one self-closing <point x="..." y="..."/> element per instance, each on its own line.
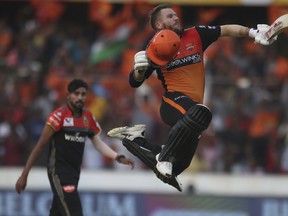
<point x="118" y="130"/>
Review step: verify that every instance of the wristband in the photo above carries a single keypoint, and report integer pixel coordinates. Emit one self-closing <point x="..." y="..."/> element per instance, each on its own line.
<point x="137" y="79"/>
<point x="119" y="157"/>
<point x="252" y="33"/>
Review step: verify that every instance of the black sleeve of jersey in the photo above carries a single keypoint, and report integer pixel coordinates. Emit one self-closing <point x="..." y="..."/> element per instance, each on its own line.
<point x="134" y="83"/>
<point x="208" y="34"/>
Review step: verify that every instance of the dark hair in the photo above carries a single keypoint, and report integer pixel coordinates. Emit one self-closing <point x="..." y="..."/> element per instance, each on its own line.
<point x="155" y="12"/>
<point x="75" y="84"/>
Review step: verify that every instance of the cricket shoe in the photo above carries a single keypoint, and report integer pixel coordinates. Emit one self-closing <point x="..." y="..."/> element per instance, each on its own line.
<point x="173" y="180"/>
<point x="164" y="167"/>
<point x="127" y="132"/>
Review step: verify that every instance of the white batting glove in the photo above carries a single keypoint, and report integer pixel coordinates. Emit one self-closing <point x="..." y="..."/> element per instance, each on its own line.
<point x="141" y="62"/>
<point x="259" y="37"/>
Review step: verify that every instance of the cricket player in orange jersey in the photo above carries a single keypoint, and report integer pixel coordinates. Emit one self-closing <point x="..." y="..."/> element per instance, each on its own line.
<point x="183" y="78"/>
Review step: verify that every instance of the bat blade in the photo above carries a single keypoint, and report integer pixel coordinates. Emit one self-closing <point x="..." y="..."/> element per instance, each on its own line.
<point x="278" y="26"/>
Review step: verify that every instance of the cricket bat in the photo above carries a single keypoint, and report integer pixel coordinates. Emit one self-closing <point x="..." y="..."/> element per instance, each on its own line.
<point x="278" y="26"/>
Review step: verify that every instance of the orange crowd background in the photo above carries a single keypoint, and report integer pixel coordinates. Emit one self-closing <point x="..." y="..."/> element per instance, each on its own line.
<point x="44" y="44"/>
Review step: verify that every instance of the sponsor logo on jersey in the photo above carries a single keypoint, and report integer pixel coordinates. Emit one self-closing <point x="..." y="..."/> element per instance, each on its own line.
<point x="187" y="60"/>
<point x="74" y="138"/>
<point x="69" y="188"/>
<point x="68" y="122"/>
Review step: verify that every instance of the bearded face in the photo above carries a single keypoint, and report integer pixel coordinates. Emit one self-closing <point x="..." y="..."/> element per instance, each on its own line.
<point x="77" y="99"/>
<point x="168" y="19"/>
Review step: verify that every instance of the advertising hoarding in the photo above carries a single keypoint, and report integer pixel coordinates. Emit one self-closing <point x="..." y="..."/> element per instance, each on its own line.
<point x="37" y="203"/>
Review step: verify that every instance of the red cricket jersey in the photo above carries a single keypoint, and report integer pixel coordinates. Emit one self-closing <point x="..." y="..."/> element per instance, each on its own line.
<point x="67" y="144"/>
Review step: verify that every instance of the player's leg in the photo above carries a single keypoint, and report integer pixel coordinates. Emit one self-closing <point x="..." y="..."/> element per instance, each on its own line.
<point x="73" y="201"/>
<point x="186" y="127"/>
<point x="54" y="210"/>
<point x="133" y="139"/>
<point x="148" y="158"/>
<point x="184" y="156"/>
<point x="66" y="200"/>
<point x="138" y="147"/>
<point x="185" y="132"/>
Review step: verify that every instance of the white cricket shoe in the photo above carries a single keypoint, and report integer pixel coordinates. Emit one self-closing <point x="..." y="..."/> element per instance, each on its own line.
<point x="164" y="167"/>
<point x="128" y="132"/>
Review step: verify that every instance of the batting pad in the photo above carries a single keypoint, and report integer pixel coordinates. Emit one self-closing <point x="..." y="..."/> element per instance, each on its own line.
<point x="148" y="158"/>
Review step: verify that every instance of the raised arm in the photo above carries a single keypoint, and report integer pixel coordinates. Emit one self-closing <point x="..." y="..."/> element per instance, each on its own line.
<point x="235" y="30"/>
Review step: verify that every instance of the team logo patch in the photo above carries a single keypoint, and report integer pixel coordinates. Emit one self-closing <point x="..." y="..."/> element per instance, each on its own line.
<point x="69" y="188"/>
<point x="68" y="122"/>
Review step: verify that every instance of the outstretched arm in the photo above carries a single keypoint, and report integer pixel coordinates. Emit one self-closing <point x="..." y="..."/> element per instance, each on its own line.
<point x="104" y="149"/>
<point x="234" y="30"/>
<point x="33" y="157"/>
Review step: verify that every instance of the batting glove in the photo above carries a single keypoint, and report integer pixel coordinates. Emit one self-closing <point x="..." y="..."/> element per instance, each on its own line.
<point x="259" y="37"/>
<point x="141" y="62"/>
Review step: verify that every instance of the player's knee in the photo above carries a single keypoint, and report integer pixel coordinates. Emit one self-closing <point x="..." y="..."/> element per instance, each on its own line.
<point x="197" y="118"/>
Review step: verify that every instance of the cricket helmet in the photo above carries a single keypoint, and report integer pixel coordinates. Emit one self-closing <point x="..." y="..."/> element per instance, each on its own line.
<point x="163" y="47"/>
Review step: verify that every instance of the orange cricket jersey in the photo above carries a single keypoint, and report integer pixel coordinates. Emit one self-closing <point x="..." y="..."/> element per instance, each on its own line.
<point x="186" y="72"/>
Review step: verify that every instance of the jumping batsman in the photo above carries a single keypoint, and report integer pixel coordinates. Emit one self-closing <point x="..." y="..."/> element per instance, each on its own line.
<point x="182" y="76"/>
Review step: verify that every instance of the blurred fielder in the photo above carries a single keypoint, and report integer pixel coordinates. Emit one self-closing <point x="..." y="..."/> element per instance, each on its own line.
<point x="66" y="130"/>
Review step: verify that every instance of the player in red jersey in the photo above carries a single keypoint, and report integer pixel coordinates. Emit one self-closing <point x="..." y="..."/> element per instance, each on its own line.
<point x="66" y="130"/>
<point x="182" y="78"/>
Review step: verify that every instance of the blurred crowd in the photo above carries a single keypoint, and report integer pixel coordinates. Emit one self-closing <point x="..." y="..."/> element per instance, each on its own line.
<point x="44" y="44"/>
